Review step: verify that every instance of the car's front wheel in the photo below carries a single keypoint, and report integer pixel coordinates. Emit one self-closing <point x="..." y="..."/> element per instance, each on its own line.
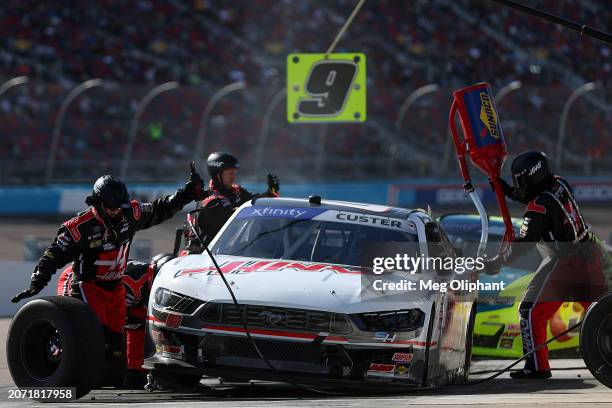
<point x="596" y="339"/>
<point x="56" y="341"/>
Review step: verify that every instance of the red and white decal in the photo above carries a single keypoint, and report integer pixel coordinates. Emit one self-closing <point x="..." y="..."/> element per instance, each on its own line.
<point x="136" y="286"/>
<point x="262" y="266"/>
<point x="535" y="207"/>
<point x="111" y="264"/>
<point x="154" y="319"/>
<point x="136" y="209"/>
<point x="305" y="337"/>
<point x="73" y="224"/>
<point x="382" y="368"/>
<point x="402" y="357"/>
<point x="171" y="349"/>
<point x="401" y="343"/>
<point x="173" y="320"/>
<point x="157" y="336"/>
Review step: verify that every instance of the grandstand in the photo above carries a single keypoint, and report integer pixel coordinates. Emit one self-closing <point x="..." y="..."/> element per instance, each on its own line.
<point x="205" y="45"/>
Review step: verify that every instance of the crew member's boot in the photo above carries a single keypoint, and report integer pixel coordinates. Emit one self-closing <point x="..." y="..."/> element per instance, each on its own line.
<point x="525" y="374"/>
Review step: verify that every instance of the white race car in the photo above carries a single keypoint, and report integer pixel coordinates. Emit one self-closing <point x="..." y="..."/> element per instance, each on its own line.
<point x="295" y="267"/>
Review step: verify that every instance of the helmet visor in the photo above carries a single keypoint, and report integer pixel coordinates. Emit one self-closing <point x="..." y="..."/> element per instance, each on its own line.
<point x="521" y="185"/>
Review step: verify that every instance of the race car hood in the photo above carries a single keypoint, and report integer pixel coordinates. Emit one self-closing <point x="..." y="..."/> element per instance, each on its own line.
<point x="286" y="283"/>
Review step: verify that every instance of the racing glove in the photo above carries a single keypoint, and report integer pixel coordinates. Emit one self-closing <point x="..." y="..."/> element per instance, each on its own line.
<point x="507" y="189"/>
<point x="33" y="290"/>
<point x="194" y="188"/>
<point x="273" y="185"/>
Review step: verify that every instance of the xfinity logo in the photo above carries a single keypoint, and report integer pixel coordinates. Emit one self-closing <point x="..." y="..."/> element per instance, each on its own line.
<point x="535" y="168"/>
<point x="285" y="212"/>
<point x="288" y="213"/>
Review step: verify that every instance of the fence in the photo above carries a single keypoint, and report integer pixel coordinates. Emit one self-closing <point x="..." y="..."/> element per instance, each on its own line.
<point x="95" y="130"/>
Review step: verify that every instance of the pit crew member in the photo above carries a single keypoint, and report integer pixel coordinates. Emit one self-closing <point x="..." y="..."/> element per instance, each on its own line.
<point x="223" y="197"/>
<point x="97" y="242"/>
<point x="572" y="265"/>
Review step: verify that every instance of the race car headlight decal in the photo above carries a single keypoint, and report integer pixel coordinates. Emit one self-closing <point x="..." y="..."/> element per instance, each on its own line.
<point x="175" y="302"/>
<point x="395" y="321"/>
<point x="163" y="297"/>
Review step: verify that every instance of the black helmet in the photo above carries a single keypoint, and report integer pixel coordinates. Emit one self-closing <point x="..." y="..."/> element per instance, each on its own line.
<point x="219" y="161"/>
<point x="530" y="174"/>
<point x="110" y="191"/>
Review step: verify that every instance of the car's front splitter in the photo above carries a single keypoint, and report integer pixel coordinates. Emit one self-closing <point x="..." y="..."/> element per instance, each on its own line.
<point x="172" y="366"/>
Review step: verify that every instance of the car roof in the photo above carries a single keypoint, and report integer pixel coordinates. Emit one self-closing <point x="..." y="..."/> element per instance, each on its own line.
<point x="373" y="209"/>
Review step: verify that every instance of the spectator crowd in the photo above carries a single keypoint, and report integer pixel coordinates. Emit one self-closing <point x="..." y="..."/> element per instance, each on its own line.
<point x="206" y="44"/>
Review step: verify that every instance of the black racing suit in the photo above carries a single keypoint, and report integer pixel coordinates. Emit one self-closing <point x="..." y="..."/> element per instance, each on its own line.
<point x="571" y="268"/>
<point x="99" y="253"/>
<point x="216" y="208"/>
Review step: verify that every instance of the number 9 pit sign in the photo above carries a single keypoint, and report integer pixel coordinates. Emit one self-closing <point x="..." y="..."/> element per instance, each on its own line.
<point x="326" y="88"/>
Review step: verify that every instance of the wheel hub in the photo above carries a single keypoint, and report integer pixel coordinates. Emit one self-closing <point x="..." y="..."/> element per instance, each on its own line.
<point x="54" y="348"/>
<point x="41" y="349"/>
<point x="604" y="339"/>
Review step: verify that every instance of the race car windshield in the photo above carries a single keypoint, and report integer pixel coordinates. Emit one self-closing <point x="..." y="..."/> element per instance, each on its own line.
<point x="304" y="239"/>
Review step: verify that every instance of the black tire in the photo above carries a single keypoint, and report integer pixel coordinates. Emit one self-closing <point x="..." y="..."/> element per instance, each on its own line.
<point x="62" y="324"/>
<point x="596" y="339"/>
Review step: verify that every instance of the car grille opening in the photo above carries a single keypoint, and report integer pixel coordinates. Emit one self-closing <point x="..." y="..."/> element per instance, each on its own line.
<point x="276" y="318"/>
<point x="272" y="349"/>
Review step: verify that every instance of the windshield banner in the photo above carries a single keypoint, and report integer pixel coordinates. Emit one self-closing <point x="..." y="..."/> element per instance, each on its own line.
<point x="290" y="213"/>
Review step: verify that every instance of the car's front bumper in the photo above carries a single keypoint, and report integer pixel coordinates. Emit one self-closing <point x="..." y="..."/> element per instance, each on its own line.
<point x="304" y="343"/>
<point x="171" y="366"/>
<point x="234" y="356"/>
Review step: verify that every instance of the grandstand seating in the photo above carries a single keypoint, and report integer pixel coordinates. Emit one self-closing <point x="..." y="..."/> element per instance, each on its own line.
<point x="204" y="44"/>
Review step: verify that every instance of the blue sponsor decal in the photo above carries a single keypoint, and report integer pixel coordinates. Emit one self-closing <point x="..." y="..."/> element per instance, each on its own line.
<point x="290" y="213"/>
<point x="381" y="335"/>
<point x="483" y="118"/>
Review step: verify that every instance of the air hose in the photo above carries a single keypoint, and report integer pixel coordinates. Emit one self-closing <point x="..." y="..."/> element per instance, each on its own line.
<point x="507" y="368"/>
